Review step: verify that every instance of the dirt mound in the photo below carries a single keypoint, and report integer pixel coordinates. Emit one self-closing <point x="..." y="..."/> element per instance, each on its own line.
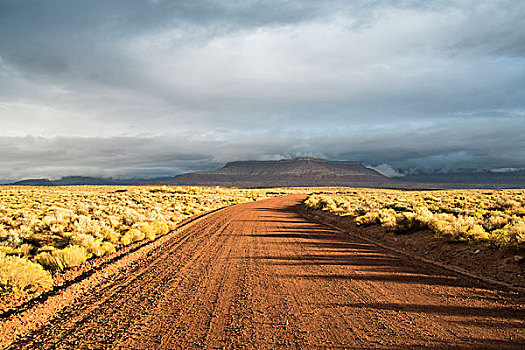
<point x="288" y="172"/>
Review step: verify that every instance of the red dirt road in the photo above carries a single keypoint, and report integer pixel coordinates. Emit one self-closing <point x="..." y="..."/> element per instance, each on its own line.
<point x="259" y="275"/>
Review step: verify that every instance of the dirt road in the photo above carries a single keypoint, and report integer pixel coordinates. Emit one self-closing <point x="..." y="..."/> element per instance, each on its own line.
<point x="258" y="275"/>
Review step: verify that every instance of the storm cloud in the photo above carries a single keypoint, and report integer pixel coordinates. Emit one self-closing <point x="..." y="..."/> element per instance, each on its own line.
<point x="156" y="88"/>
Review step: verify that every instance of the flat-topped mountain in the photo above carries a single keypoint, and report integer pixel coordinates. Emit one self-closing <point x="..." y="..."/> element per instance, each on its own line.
<point x="286" y="172"/>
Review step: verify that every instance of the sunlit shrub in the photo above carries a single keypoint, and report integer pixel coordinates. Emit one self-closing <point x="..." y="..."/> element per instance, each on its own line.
<point x="126" y="238"/>
<point x="371" y="217"/>
<point x="513" y="232"/>
<point x="146" y="228"/>
<point x="399" y="206"/>
<point x="495" y="221"/>
<point x="46" y="248"/>
<point x="108" y="248"/>
<point x="477" y="233"/>
<point x="387" y="218"/>
<point x="508" y="203"/>
<point x="160" y="227"/>
<point x="61" y="259"/>
<point x="408" y="221"/>
<point x="137" y="235"/>
<point x="13" y="238"/>
<point x="109" y="234"/>
<point x="130" y="217"/>
<point x="190" y="211"/>
<point x="8" y="250"/>
<point x="92" y="245"/>
<point x="132" y="235"/>
<point x="113" y="221"/>
<point x="18" y="273"/>
<point x="27" y="249"/>
<point x="3" y="232"/>
<point x="321" y="203"/>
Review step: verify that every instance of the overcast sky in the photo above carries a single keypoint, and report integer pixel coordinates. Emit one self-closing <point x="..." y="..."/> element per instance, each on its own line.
<point x="153" y="88"/>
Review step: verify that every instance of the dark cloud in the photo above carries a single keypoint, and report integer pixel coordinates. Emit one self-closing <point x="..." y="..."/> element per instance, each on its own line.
<point x="159" y="87"/>
<point x="466" y="146"/>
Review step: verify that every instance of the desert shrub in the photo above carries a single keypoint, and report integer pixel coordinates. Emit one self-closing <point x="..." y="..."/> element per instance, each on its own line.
<point x="495" y="221"/>
<point x="108" y="248"/>
<point x="161" y="227"/>
<point x="321" y="203"/>
<point x="137" y="235"/>
<point x="327" y="203"/>
<point x="94" y="220"/>
<point x="27" y="249"/>
<point x="508" y="203"/>
<point x="399" y="206"/>
<point x="387" y="218"/>
<point x="87" y="225"/>
<point x="49" y="261"/>
<point x="132" y="235"/>
<point x="172" y="224"/>
<point x="458" y="228"/>
<point x="516" y="226"/>
<point x="311" y="202"/>
<point x="92" y="244"/>
<point x="130" y="217"/>
<point x="441" y="225"/>
<point x="109" y="234"/>
<point x="113" y="221"/>
<point x="47" y="221"/>
<point x="13" y="238"/>
<point x="3" y="232"/>
<point x="46" y="248"/>
<point x="190" y="211"/>
<point x="408" y="221"/>
<point x="18" y="273"/>
<point x="126" y="238"/>
<point x="57" y="228"/>
<point x="499" y="238"/>
<point x="146" y="228"/>
<point x="8" y="250"/>
<point x="370" y="218"/>
<point x="60" y="259"/>
<point x="151" y="235"/>
<point x="424" y="216"/>
<point x="512" y="233"/>
<point x="477" y="233"/>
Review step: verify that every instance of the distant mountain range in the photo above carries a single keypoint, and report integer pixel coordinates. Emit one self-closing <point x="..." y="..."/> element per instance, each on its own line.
<point x="312" y="172"/>
<point x="85" y="180"/>
<point x="465" y="176"/>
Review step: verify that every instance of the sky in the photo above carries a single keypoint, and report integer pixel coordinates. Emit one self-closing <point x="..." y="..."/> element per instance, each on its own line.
<point x="155" y="88"/>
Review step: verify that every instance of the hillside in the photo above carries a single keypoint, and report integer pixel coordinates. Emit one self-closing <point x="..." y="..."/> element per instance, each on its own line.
<point x="74" y="180"/>
<point x="287" y="172"/>
<point x="85" y="180"/>
<point x="466" y="176"/>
